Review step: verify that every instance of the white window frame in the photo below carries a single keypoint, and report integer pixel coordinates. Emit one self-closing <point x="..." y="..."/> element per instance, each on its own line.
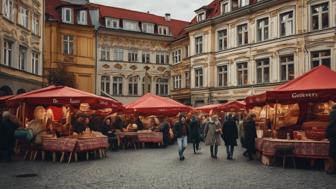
<point x="82" y="17"/>
<point x="22" y="61"/>
<point x="244" y="73"/>
<point x="198" y="45"/>
<point x="7" y="9"/>
<point x="105" y="53"/>
<point x="286" y="65"/>
<point x="131" y="25"/>
<point x="161" y="58"/>
<point x="105" y="84"/>
<point x="320" y="58"/>
<point x="263" y="28"/>
<point x="224" y="75"/>
<point x="112" y="23"/>
<point x="163" y="30"/>
<point x="162" y="86"/>
<point x="288" y="22"/>
<point x="117" y="86"/>
<point x="243" y="3"/>
<point x="36" y="24"/>
<point x="244" y="33"/>
<point x="35" y="63"/>
<point x="147" y="27"/>
<point x="228" y="4"/>
<point x="118" y="54"/>
<point x="133" y="56"/>
<point x="201" y="16"/>
<point x="8" y="52"/>
<point x="199" y="77"/>
<point x="222" y="40"/>
<point x="177" y="81"/>
<point x="262" y="67"/>
<point x="177" y="56"/>
<point x="68" y="42"/>
<point x="145" y="57"/>
<point x="23" y="17"/>
<point x="65" y="11"/>
<point x="319" y="14"/>
<point x="133" y="83"/>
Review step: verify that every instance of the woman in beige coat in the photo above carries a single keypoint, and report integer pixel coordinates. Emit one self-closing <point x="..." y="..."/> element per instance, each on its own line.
<point x="212" y="133"/>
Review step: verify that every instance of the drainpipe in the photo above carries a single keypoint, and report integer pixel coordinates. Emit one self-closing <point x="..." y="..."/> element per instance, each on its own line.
<point x="96" y="64"/>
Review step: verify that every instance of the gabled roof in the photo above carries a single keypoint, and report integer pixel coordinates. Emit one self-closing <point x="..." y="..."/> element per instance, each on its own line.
<point x="175" y="26"/>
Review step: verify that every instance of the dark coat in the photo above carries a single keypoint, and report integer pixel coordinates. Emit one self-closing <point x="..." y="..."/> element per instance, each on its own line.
<point x="230" y="132"/>
<point x="194" y="130"/>
<point x="331" y="133"/>
<point x="180" y="129"/>
<point x="139" y="123"/>
<point x="164" y="128"/>
<point x="250" y="134"/>
<point x="9" y="124"/>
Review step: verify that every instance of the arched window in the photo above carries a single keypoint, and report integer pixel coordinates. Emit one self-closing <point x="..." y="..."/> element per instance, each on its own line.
<point x="162" y="87"/>
<point x="105" y="84"/>
<point x="133" y="85"/>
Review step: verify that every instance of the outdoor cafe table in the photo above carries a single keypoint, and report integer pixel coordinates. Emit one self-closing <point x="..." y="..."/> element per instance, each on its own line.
<point x="142" y="137"/>
<point x="311" y="149"/>
<point x="62" y="145"/>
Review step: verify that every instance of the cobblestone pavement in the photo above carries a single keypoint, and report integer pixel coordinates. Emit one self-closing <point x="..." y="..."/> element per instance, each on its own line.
<point x="160" y="168"/>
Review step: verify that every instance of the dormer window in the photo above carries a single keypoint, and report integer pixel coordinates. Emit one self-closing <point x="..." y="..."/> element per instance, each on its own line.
<point x="163" y="30"/>
<point x="131" y="25"/>
<point x="82" y="17"/>
<point x="201" y="16"/>
<point x="112" y="23"/>
<point x="225" y="6"/>
<point x="147" y="27"/>
<point x="244" y="3"/>
<point x="67" y="15"/>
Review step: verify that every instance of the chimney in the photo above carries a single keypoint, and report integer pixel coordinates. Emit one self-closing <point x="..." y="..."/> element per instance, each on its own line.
<point x="167" y="16"/>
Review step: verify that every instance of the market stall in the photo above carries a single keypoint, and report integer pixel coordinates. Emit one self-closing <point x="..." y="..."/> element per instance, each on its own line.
<point x="49" y="114"/>
<point x="296" y="114"/>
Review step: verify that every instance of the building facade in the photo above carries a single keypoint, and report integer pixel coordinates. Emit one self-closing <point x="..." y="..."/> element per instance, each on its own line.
<point x="134" y="53"/>
<point x="21" y="44"/>
<point x="241" y="47"/>
<point x="69" y="43"/>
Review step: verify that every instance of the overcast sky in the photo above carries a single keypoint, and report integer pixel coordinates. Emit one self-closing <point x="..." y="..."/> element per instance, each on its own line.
<point x="179" y="9"/>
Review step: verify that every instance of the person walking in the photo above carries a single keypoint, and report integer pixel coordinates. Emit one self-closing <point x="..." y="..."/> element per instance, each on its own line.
<point x="195" y="134"/>
<point x="331" y="135"/>
<point x="230" y="136"/>
<point x="180" y="132"/>
<point x="213" y="135"/>
<point x="250" y="135"/>
<point x="9" y="123"/>
<point x="164" y="128"/>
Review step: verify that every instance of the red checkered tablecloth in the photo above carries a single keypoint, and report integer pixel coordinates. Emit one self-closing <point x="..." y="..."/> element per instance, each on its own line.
<point x="155" y="137"/>
<point x="309" y="148"/>
<point x="59" y="144"/>
<point x="88" y="144"/>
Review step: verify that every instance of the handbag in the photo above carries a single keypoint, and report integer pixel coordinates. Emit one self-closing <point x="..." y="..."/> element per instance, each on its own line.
<point x="24" y="134"/>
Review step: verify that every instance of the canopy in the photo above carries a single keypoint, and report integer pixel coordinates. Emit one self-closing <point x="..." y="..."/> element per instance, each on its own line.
<point x="317" y="85"/>
<point x="58" y="95"/>
<point x="3" y="99"/>
<point x="234" y="106"/>
<point x="150" y="104"/>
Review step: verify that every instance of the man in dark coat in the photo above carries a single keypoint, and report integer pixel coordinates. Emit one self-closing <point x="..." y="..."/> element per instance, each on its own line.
<point x="164" y="128"/>
<point x="195" y="133"/>
<point x="331" y="135"/>
<point x="250" y="135"/>
<point x="230" y="136"/>
<point x="180" y="132"/>
<point x="9" y="124"/>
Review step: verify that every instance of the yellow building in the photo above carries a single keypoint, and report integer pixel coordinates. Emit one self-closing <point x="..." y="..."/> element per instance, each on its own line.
<point x="70" y="42"/>
<point x="21" y="46"/>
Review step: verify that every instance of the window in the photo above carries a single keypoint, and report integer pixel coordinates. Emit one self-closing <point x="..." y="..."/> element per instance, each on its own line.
<point x="131" y="25"/>
<point x="198" y="77"/>
<point x="200" y="16"/>
<point x="222" y="39"/>
<point x="222" y="76"/>
<point x="225" y="7"/>
<point x="162" y="87"/>
<point x="234" y="4"/>
<point x="187" y="79"/>
<point x="132" y="56"/>
<point x="36" y="25"/>
<point x="320" y="58"/>
<point x="286" y="24"/>
<point x="117" y="86"/>
<point x="105" y="84"/>
<point x="187" y="51"/>
<point x="67" y="15"/>
<point x="199" y="45"/>
<point x="320" y="16"/>
<point x="177" y="82"/>
<point x="163" y="30"/>
<point x="68" y="44"/>
<point x="133" y="85"/>
<point x="105" y="53"/>
<point x="145" y="57"/>
<point x="146" y="84"/>
<point x="112" y="23"/>
<point x="242" y="74"/>
<point x="242" y="34"/>
<point x="244" y="3"/>
<point x="22" y="58"/>
<point x="8" y="47"/>
<point x="35" y="63"/>
<point x="147" y="27"/>
<point x="263" y="70"/>
<point x="287" y="67"/>
<point x="161" y="58"/>
<point x="262" y="29"/>
<point x="8" y="9"/>
<point x="82" y="17"/>
<point x="177" y="56"/>
<point x="118" y="54"/>
<point x="23" y="17"/>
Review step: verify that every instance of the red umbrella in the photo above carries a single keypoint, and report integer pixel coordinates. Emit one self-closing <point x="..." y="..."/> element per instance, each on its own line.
<point x="208" y="108"/>
<point x="150" y="104"/>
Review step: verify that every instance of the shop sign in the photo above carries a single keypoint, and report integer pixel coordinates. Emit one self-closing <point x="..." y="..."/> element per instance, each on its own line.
<point x="304" y="95"/>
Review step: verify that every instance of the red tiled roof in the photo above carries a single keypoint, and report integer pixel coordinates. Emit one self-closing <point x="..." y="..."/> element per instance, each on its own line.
<point x="175" y="26"/>
<point x="212" y="10"/>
